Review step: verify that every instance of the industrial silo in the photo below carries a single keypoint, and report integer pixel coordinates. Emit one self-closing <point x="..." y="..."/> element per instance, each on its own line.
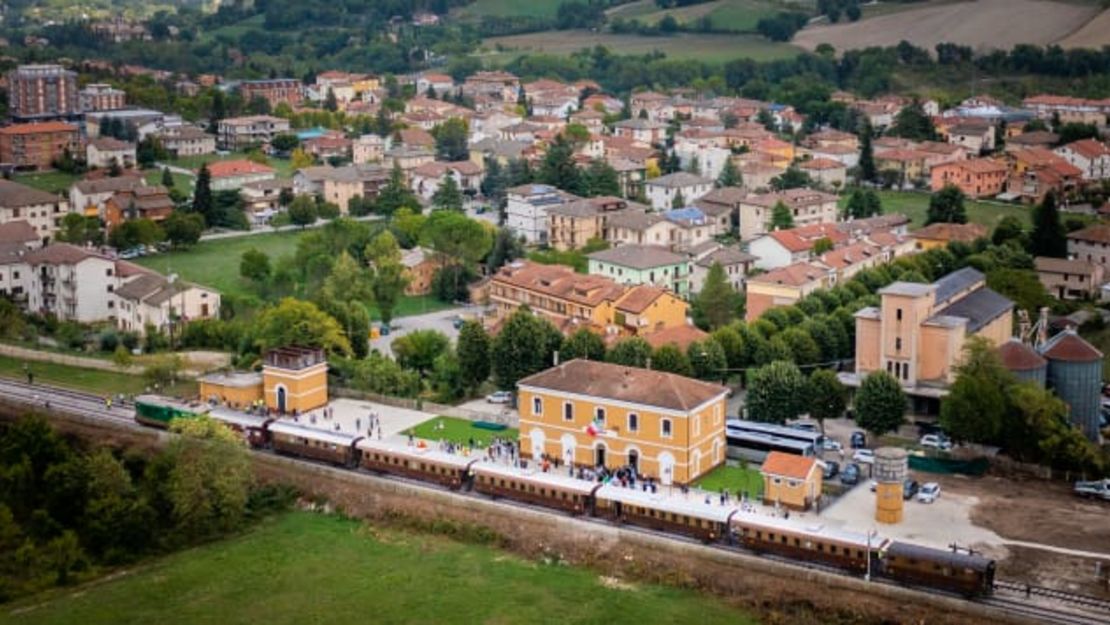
<point x="1024" y="362"/>
<point x="1075" y="373"/>
<point x="891" y="467"/>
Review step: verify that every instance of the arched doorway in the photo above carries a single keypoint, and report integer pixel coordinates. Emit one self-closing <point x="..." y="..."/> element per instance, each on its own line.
<point x="666" y="468"/>
<point x="281" y="399"/>
<point x="568" y="448"/>
<point x="634" y="460"/>
<point x="537" y="444"/>
<point x="599" y="455"/>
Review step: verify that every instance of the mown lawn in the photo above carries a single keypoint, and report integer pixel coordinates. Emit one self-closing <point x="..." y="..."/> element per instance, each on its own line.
<point x="309" y="568"/>
<point x="459" y="431"/>
<point x="734" y="478"/>
<point x="916" y="205"/>
<point x="49" y="181"/>
<point x="711" y="48"/>
<point x="510" y="8"/>
<point x="88" y="380"/>
<point x="181" y="182"/>
<point x="216" y="263"/>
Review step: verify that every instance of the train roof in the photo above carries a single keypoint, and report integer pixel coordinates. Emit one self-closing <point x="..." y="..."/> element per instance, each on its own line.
<point x="532" y="474"/>
<point x="945" y="556"/>
<point x="427" y="453"/>
<point x="293" y="429"/>
<point x="195" y="407"/>
<point x="660" y="501"/>
<point x="813" y="528"/>
<point x="240" y="419"/>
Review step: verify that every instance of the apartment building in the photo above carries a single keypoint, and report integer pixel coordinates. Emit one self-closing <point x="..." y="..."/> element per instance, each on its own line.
<point x="239" y="133"/>
<point x="644" y="264"/>
<point x="102" y="152"/>
<point x="785" y="286"/>
<point x="232" y="175"/>
<point x="573" y="224"/>
<point x="151" y="300"/>
<point x="42" y="211"/>
<point x="980" y="177"/>
<point x="339" y="185"/>
<point x="596" y="414"/>
<point x="275" y="91"/>
<point x="187" y="141"/>
<point x="526" y="210"/>
<point x="1070" y="279"/>
<point x="662" y="191"/>
<point x="1091" y="244"/>
<point x="36" y="145"/>
<point x="807" y="207"/>
<point x="101" y="97"/>
<point x="42" y="92"/>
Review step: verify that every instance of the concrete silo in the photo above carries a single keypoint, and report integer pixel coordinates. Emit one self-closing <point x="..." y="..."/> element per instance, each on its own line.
<point x="891" y="468"/>
<point x="1024" y="362"/>
<point x="1075" y="374"/>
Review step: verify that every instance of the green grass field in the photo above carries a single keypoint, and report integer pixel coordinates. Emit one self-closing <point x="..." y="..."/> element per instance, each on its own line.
<point x="459" y="431"/>
<point x="723" y="15"/>
<point x="216" y="263"/>
<point x="282" y="167"/>
<point x="916" y="205"/>
<point x="49" y="181"/>
<point x="181" y="182"/>
<point x="733" y="478"/>
<point x="307" y="568"/>
<point x="89" y="380"/>
<point x="509" y="8"/>
<point x="703" y="47"/>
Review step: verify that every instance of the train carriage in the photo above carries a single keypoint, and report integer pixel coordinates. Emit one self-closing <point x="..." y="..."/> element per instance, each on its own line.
<point x="706" y="522"/>
<point x="552" y="490"/>
<point x="967" y="574"/>
<point x="251" y="427"/>
<point x="418" y="463"/>
<point x="297" y="440"/>
<point x="814" y="543"/>
<point x="157" y="411"/>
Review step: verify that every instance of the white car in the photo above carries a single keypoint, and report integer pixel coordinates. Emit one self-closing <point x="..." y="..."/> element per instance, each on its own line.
<point x="936" y="441"/>
<point x="865" y="456"/>
<point x="831" y="445"/>
<point x="500" y="397"/>
<point x="929" y="493"/>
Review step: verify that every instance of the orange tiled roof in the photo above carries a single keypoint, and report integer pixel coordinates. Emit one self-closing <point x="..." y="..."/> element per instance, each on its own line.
<point x="787" y="465"/>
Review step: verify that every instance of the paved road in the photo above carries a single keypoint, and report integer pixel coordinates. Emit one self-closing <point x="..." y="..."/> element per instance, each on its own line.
<point x="441" y="321"/>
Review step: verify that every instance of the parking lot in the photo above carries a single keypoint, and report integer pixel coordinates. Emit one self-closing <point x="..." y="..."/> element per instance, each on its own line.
<point x="441" y="321"/>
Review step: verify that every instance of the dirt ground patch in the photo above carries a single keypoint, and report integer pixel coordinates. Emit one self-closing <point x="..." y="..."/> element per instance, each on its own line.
<point x="982" y="24"/>
<point x="1053" y="570"/>
<point x="1095" y="34"/>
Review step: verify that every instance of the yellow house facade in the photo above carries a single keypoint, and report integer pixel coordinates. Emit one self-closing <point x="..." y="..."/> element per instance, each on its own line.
<point x="791" y="480"/>
<point x="236" y="389"/>
<point x="595" y="414"/>
<point x="295" y="379"/>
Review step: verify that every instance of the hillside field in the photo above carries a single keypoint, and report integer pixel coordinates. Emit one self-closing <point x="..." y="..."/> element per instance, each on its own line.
<point x="310" y="568"/>
<point x="979" y="24"/>
<point x="724" y="15"/>
<point x="702" y="47"/>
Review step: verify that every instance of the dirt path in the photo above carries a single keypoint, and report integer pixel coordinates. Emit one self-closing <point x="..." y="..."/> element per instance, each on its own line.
<point x="981" y="24"/>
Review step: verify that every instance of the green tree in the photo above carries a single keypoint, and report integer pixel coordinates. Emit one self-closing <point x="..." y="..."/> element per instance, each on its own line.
<point x="285" y="142"/>
<point x="583" y="344"/>
<point x="302" y="211"/>
<point x="947" y="206"/>
<point x="473" y="349"/>
<point x="300" y="323"/>
<point x="330" y="103"/>
<point x="135" y="232"/>
<point x="1020" y="285"/>
<point x="777" y="392"/>
<point x="460" y="240"/>
<point x="447" y="378"/>
<point x="670" y="359"/>
<point x="1009" y="228"/>
<point x="717" y="303"/>
<point x="868" y="172"/>
<point x="822" y="245"/>
<point x="447" y="195"/>
<point x="912" y="123"/>
<point x="254" y="265"/>
<point x="167" y="178"/>
<point x="977" y="402"/>
<point x="730" y="176"/>
<point x="396" y="194"/>
<point x="183" y="229"/>
<point x="559" y="169"/>
<point x="781" y="217"/>
<point x="506" y="248"/>
<point x="203" y="203"/>
<point x="451" y="140"/>
<point x="632" y="351"/>
<point x="419" y="349"/>
<point x="863" y="203"/>
<point x="828" y="397"/>
<point x="209" y="478"/>
<point x="1048" y="237"/>
<point x="679" y="200"/>
<point x="602" y="179"/>
<point x="880" y="404"/>
<point x="525" y="345"/>
<point x="407" y="226"/>
<point x="707" y="360"/>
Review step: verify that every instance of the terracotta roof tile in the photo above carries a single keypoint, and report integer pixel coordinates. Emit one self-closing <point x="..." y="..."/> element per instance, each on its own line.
<point x="627" y="384"/>
<point x="788" y="465"/>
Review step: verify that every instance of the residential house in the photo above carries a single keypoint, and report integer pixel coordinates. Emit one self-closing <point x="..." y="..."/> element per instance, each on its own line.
<point x="692" y="227"/>
<point x="104" y="151"/>
<point x="440" y="84"/>
<point x="825" y="172"/>
<point x="940" y="234"/>
<point x="426" y="179"/>
<point x="367" y="149"/>
<point x="499" y="85"/>
<point x="504" y="152"/>
<point x="575" y="223"/>
<point x="640" y="227"/>
<point x="1068" y="109"/>
<point x="526" y="210"/>
<point x="832" y="137"/>
<point x="735" y="263"/>
<point x="42" y="211"/>
<point x="408" y="158"/>
<point x="980" y="177"/>
<point x="848" y="260"/>
<point x="679" y="336"/>
<point x="339" y="185"/>
<point x="780" y="248"/>
<point x="911" y="165"/>
<point x="152" y="301"/>
<point x="153" y="203"/>
<point x="1091" y="244"/>
<point x="643" y="131"/>
<point x="1036" y="139"/>
<point x="239" y="133"/>
<point x="420" y="269"/>
<point x="232" y="175"/>
<point x="1070" y="279"/>
<point x="643" y="264"/>
<point x="36" y="145"/>
<point x="602" y="103"/>
<point x="791" y="481"/>
<point x="101" y="97"/>
<point x="662" y="191"/>
<point x="1055" y="176"/>
<point x="1091" y="156"/>
<point x="849" y="157"/>
<point x="758" y="176"/>
<point x="328" y="147"/>
<point x="262" y="199"/>
<point x="667" y="427"/>
<point x="631" y="174"/>
<point x="274" y="90"/>
<point x="88" y="197"/>
<point x="918" y="331"/>
<point x="807" y="206"/>
<point x="70" y="283"/>
<point x="187" y="141"/>
<point x="723" y="206"/>
<point x="784" y="287"/>
<point x="572" y="300"/>
<point x="977" y="137"/>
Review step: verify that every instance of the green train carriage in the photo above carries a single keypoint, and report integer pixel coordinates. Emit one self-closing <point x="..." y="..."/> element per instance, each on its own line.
<point x="158" y="411"/>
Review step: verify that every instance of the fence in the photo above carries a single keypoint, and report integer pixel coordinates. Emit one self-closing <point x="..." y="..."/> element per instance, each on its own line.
<point x="506" y="416"/>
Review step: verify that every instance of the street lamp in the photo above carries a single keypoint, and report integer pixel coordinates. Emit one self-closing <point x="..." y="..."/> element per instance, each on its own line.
<point x="870" y="533"/>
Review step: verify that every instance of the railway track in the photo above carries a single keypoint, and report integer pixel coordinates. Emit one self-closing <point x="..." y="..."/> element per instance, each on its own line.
<point x="1012" y="597"/>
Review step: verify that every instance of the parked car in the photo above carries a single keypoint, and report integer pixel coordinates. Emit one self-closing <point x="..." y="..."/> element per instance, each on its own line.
<point x="936" y="441"/>
<point x="865" y="456"/>
<point x="909" y="489"/>
<point x="499" y="397"/>
<point x="805" y="426"/>
<point x="1098" y="488"/>
<point x="859" y="439"/>
<point x="830" y="444"/>
<point x="831" y="469"/>
<point x="929" y="493"/>
<point x="131" y="253"/>
<point x="850" y="475"/>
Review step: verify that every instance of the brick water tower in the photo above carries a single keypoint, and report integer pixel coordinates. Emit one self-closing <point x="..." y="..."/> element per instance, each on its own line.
<point x="891" y="466"/>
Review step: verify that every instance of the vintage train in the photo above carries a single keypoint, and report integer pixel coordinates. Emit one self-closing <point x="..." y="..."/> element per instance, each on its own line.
<point x="971" y="575"/>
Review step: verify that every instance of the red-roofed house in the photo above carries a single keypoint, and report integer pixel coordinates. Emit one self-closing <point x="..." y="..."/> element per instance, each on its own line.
<point x="36" y="145"/>
<point x="784" y="286"/>
<point x="980" y="177"/>
<point x="791" y="481"/>
<point x="1091" y="156"/>
<point x="826" y="171"/>
<point x="785" y="247"/>
<point x="232" y="175"/>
